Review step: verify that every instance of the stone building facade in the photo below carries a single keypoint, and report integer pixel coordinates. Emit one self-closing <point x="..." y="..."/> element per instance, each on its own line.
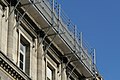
<point x="37" y="44"/>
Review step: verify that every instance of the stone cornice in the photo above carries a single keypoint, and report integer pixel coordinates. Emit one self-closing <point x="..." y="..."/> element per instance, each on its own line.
<point x="12" y="69"/>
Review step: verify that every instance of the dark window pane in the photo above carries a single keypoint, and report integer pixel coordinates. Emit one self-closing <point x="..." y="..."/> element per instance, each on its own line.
<point x="21" y="47"/>
<point x="21" y="65"/>
<point x="21" y="57"/>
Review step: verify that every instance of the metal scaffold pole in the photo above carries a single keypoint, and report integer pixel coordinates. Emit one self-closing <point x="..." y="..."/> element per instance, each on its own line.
<point x="13" y="9"/>
<point x="73" y="52"/>
<point x="75" y="38"/>
<point x="52" y="12"/>
<point x="45" y="52"/>
<point x="66" y="65"/>
<point x="94" y="57"/>
<point x="18" y="23"/>
<point x="59" y="11"/>
<point x="81" y="39"/>
<point x="52" y="27"/>
<point x="94" y="63"/>
<point x="72" y="71"/>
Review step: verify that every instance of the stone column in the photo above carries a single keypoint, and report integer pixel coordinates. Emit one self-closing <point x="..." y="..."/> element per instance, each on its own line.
<point x="39" y="59"/>
<point x="10" y="33"/>
<point x="0" y="27"/>
<point x="63" y="75"/>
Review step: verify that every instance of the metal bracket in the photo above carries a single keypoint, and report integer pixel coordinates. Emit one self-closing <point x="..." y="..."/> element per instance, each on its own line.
<point x="46" y="27"/>
<point x="72" y="71"/>
<point x="45" y="52"/>
<point x="13" y="9"/>
<point x="74" y="60"/>
<point x="21" y="18"/>
<point x="29" y="4"/>
<point x="54" y="34"/>
<point x="68" y="54"/>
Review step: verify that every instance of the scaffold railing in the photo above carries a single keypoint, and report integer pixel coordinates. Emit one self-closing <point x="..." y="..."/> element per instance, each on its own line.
<point x="67" y="22"/>
<point x="69" y="27"/>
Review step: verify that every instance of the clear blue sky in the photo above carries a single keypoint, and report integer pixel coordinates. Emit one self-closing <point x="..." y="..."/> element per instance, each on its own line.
<point x="99" y="20"/>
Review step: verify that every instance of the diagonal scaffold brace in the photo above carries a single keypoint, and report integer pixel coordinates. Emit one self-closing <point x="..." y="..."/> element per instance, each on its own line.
<point x="13" y="9"/>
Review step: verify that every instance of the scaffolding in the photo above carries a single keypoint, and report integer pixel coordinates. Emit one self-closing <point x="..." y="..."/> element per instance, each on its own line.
<point x="61" y="27"/>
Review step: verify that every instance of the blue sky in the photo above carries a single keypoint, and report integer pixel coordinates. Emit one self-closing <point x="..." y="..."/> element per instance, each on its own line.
<point x="99" y="20"/>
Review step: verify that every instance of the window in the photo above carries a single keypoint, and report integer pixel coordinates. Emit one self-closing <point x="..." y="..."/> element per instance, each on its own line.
<point x="49" y="73"/>
<point x="24" y="55"/>
<point x="50" y="68"/>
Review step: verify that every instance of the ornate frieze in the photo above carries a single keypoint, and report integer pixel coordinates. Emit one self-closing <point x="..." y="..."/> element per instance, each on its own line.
<point x="10" y="68"/>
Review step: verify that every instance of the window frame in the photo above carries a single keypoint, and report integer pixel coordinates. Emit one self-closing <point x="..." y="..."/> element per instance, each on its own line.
<point x="24" y="38"/>
<point x="24" y="55"/>
<point x="53" y="66"/>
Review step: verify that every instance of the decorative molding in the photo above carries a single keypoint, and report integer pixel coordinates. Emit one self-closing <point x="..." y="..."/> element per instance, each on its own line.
<point x="9" y="67"/>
